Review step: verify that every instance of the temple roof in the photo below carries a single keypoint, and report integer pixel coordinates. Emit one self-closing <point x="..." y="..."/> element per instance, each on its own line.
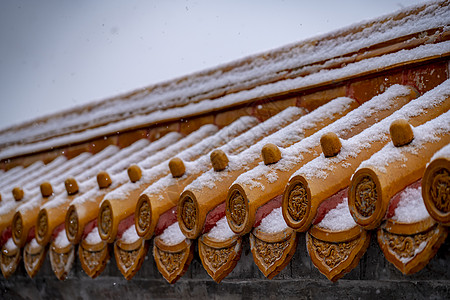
<point x="333" y="142"/>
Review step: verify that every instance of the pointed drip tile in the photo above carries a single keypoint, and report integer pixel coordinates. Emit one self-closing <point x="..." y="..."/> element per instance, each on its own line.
<point x="173" y="260"/>
<point x="33" y="258"/>
<point x="93" y="258"/>
<point x="9" y="260"/>
<point x="336" y="253"/>
<point x="219" y="258"/>
<point x="61" y="260"/>
<point x="273" y="251"/>
<point x="130" y="256"/>
<point x="410" y="246"/>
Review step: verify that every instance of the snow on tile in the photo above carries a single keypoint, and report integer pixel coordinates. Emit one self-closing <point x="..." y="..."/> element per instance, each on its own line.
<point x="200" y="150"/>
<point x="11" y="179"/>
<point x="204" y="134"/>
<point x="294" y="154"/>
<point x="118" y="171"/>
<point x="15" y="173"/>
<point x="172" y="235"/>
<point x="8" y="203"/>
<point x="137" y="155"/>
<point x="10" y="245"/>
<point x="444" y="152"/>
<point x="339" y="218"/>
<point x="273" y="222"/>
<point x="34" y="244"/>
<point x="286" y="135"/>
<point x="378" y="132"/>
<point x="239" y="142"/>
<point x="410" y="208"/>
<point x="93" y="238"/>
<point x="221" y="231"/>
<point x="61" y="240"/>
<point x="423" y="134"/>
<point x="130" y="235"/>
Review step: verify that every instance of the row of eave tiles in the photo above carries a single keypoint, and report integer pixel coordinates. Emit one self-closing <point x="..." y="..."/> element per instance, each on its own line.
<point x="270" y="264"/>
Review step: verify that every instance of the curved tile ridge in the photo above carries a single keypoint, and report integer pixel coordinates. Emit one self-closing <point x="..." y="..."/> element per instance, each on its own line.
<point x="164" y="194"/>
<point x="211" y="188"/>
<point x="265" y="182"/>
<point x="120" y="203"/>
<point x="323" y="177"/>
<point x="84" y="208"/>
<point x="391" y="169"/>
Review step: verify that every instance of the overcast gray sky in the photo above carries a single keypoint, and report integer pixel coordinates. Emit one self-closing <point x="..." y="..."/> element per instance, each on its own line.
<point x="58" y="54"/>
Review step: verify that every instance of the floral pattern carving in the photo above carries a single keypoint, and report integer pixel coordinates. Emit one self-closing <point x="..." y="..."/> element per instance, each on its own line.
<point x="32" y="260"/>
<point x="237" y="208"/>
<point x="43" y="225"/>
<point x="189" y="213"/>
<point x="170" y="261"/>
<point x="91" y="259"/>
<point x="106" y="220"/>
<point x="217" y="257"/>
<point x="144" y="216"/>
<point x="440" y="190"/>
<point x="9" y="262"/>
<point x="298" y="202"/>
<point x="127" y="258"/>
<point x="366" y="196"/>
<point x="270" y="252"/>
<point x="406" y="247"/>
<point x="73" y="224"/>
<point x="18" y="227"/>
<point x="62" y="262"/>
<point x="332" y="254"/>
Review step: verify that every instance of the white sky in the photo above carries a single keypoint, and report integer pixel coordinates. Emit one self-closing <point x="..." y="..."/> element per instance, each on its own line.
<point x="58" y="54"/>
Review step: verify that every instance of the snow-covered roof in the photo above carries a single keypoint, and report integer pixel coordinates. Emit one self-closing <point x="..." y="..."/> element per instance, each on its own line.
<point x="353" y="51"/>
<point x="367" y="51"/>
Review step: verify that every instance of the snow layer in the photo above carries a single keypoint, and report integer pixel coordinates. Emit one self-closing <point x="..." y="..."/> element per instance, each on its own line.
<point x="156" y="103"/>
<point x="201" y="145"/>
<point x="423" y="134"/>
<point x="93" y="238"/>
<point x="10" y="245"/>
<point x="273" y="222"/>
<point x="34" y="244"/>
<point x="286" y="135"/>
<point x="8" y="203"/>
<point x="294" y="154"/>
<point x="61" y="240"/>
<point x="221" y="231"/>
<point x="444" y="152"/>
<point x="130" y="235"/>
<point x="235" y="145"/>
<point x="321" y="167"/>
<point x="339" y="218"/>
<point x="172" y="235"/>
<point x="410" y="208"/>
<point x="118" y="172"/>
<point x="136" y="156"/>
